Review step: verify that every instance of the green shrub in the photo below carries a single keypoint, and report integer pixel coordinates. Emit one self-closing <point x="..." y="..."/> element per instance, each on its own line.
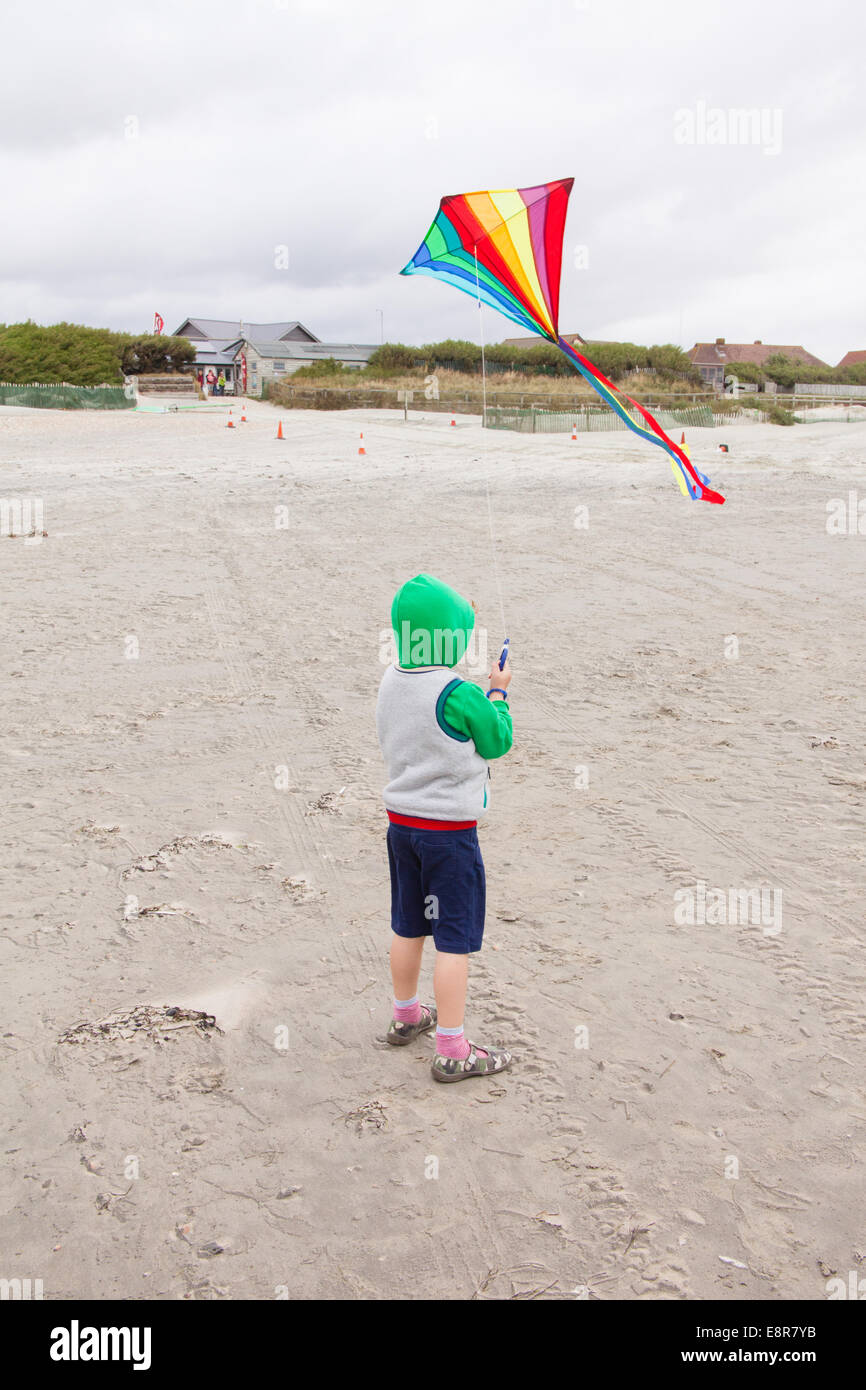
<point x="786" y="372"/>
<point x="393" y="357"/>
<point x="62" y="352"/>
<point x="84" y="356"/>
<point x="155" y="353"/>
<point x="672" y="364"/>
<point x="669" y="364"/>
<point x="616" y="360"/>
<point x="746" y="371"/>
<point x="328" y="366"/>
<point x="454" y="353"/>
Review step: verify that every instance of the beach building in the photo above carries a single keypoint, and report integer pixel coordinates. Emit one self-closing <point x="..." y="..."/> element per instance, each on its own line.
<point x="217" y="341"/>
<point x="712" y="359"/>
<point x="252" y="354"/>
<point x="258" y="361"/>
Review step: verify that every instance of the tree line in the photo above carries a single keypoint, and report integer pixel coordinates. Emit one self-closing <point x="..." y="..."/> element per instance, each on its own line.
<point x="786" y="372"/>
<point x="86" y="356"/>
<point x="614" y="360"/>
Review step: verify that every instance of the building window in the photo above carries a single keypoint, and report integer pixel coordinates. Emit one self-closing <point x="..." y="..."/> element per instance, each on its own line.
<point x="279" y="366"/>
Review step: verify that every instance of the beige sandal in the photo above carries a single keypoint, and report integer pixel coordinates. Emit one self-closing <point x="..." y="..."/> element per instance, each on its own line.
<point x="449" y="1069"/>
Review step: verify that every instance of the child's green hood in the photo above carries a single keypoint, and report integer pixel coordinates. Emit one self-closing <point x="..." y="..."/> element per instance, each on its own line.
<point x="431" y="623"/>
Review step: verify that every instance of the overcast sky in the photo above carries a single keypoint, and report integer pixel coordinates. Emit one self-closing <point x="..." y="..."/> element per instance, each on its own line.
<point x="160" y="158"/>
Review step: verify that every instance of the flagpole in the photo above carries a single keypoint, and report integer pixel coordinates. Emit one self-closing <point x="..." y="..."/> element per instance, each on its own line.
<point x="483" y="364"/>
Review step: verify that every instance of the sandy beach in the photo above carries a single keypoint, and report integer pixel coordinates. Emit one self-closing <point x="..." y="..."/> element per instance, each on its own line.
<point x="192" y="818"/>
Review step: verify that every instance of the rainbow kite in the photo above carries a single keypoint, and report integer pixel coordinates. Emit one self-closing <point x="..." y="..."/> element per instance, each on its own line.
<point x="504" y="247"/>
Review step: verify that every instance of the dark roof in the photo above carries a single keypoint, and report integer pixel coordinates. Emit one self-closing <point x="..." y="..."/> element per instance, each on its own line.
<point x="310" y="352"/>
<point x="720" y="353"/>
<point x="537" y="341"/>
<point x="229" y="330"/>
<point x="215" y="354"/>
<point x="852" y="358"/>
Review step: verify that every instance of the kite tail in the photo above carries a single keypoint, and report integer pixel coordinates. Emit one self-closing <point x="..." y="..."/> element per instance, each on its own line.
<point x="698" y="486"/>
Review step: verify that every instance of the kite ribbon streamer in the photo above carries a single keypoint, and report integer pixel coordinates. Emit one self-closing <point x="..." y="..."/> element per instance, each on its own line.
<point x="697" y="484"/>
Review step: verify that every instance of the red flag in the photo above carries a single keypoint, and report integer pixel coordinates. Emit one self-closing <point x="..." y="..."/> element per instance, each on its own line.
<point x="158" y="323"/>
<point x="244" y="370"/>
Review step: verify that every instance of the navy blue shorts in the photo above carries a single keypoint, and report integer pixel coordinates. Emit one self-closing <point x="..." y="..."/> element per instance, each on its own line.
<point x="438" y="886"/>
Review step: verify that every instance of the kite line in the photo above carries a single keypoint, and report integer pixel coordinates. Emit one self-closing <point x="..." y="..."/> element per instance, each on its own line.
<point x="491" y="530"/>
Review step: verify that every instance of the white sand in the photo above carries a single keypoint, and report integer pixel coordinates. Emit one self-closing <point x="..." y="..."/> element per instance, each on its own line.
<point x="712" y="1048"/>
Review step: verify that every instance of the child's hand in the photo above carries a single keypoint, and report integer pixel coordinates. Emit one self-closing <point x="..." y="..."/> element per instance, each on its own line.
<point x="500" y="680"/>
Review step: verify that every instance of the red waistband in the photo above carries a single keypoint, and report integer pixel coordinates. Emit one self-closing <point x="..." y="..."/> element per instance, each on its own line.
<point x="418" y="823"/>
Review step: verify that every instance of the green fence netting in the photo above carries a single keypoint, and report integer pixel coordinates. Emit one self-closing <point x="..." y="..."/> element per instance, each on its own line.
<point x="59" y="396"/>
<point x="537" y="420"/>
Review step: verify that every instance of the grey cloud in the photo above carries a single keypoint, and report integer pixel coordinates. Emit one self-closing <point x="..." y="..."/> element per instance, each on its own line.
<point x="333" y="130"/>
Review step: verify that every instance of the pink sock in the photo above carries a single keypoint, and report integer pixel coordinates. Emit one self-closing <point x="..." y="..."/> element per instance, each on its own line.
<point x="451" y="1042"/>
<point x="407" y="1010"/>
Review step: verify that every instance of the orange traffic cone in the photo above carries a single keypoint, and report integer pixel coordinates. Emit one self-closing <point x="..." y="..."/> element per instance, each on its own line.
<point x="454" y="422"/>
<point x="280" y="434"/>
<point x="362" y="450"/>
<point x="243" y="417"/>
<point x="231" y="424"/>
<point x="683" y="440"/>
<point x="574" y="431"/>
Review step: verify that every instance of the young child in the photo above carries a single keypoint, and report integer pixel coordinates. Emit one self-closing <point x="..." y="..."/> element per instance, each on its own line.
<point x="437" y="734"/>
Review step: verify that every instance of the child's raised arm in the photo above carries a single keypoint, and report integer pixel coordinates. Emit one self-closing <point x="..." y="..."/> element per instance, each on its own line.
<point x="486" y="721"/>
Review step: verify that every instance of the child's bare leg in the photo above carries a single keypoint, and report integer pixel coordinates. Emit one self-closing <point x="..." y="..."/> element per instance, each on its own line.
<point x="449" y="986"/>
<point x="406" y="953"/>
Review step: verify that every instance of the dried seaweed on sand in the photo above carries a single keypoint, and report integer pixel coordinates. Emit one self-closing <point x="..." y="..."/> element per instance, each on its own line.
<point x="144" y="1020"/>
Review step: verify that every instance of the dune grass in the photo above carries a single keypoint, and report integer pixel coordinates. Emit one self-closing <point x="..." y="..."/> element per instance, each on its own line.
<point x="463" y="392"/>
